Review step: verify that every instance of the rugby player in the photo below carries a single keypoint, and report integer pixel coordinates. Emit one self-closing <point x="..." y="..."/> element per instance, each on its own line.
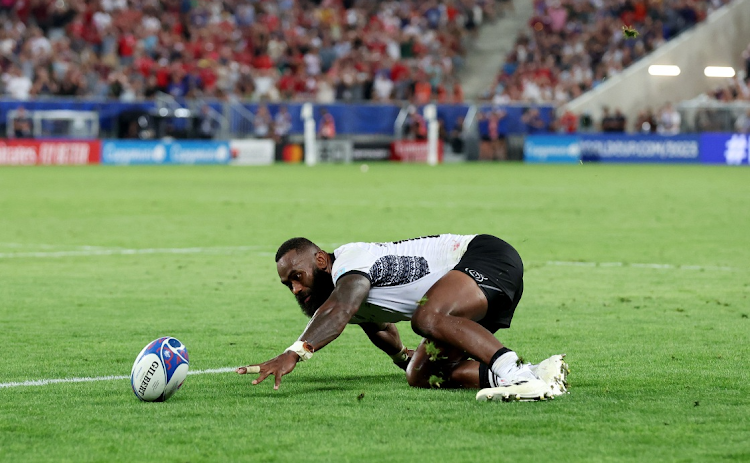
<point x="456" y="290"/>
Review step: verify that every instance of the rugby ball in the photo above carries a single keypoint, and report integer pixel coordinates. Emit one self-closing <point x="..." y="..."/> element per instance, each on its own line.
<point x="159" y="370"/>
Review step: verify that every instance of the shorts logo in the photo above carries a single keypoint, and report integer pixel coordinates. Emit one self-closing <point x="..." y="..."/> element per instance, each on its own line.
<point x="476" y="275"/>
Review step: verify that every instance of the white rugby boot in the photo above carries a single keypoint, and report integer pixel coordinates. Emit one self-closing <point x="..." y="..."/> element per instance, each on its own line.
<point x="524" y="386"/>
<point x="553" y="371"/>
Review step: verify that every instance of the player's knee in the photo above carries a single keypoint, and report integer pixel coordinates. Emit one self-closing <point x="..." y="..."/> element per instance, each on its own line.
<point x="424" y="322"/>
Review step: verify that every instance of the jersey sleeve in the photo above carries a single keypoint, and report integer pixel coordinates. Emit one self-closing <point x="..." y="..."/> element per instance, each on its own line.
<point x="352" y="259"/>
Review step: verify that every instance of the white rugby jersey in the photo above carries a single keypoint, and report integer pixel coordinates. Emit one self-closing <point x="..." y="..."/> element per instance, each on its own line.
<point x="400" y="272"/>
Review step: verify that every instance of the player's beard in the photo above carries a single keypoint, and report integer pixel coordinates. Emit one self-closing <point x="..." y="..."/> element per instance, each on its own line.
<point x="321" y="288"/>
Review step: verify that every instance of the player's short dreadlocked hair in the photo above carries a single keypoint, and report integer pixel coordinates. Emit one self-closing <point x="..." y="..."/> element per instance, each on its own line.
<point x="298" y="244"/>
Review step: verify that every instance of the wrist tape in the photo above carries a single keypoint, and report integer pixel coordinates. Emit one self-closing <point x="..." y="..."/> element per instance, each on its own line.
<point x="400" y="356"/>
<point x="301" y="348"/>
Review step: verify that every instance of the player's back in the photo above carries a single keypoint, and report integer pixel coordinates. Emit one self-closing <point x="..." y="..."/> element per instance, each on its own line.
<point x="400" y="272"/>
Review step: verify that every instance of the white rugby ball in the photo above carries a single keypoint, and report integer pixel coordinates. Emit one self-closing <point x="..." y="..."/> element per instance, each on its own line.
<point x="159" y="370"/>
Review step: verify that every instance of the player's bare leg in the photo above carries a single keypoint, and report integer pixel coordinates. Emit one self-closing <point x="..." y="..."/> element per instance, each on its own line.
<point x="448" y="315"/>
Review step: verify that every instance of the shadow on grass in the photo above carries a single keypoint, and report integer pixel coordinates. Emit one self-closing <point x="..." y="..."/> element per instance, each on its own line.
<point x="322" y="383"/>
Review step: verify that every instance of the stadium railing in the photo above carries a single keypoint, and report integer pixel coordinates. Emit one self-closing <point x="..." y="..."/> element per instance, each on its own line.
<point x="705" y="115"/>
<point x="235" y="119"/>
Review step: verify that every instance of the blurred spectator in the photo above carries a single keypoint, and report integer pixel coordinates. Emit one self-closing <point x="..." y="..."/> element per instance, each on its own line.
<point x="415" y="126"/>
<point x="282" y="125"/>
<point x="586" y="123"/>
<point x="567" y="123"/>
<point x="493" y="134"/>
<point x="742" y="124"/>
<point x="618" y="122"/>
<point x="422" y="89"/>
<point x="646" y="122"/>
<point x="669" y="120"/>
<point x="22" y="124"/>
<point x="456" y="136"/>
<point x="608" y="123"/>
<point x="43" y="85"/>
<point x="382" y="87"/>
<point x="17" y="85"/>
<point x="206" y="124"/>
<point x="262" y="122"/>
<point x="324" y="90"/>
<point x="458" y="92"/>
<point x="443" y="134"/>
<point x="533" y="121"/>
<point x="733" y="89"/>
<point x="327" y="129"/>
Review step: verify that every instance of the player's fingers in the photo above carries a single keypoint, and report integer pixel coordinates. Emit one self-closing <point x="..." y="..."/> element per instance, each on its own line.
<point x="260" y="378"/>
<point x="278" y="381"/>
<point x="248" y="369"/>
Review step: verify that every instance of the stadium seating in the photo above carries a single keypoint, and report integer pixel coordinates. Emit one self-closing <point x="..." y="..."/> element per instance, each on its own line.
<point x="293" y="50"/>
<point x="573" y="45"/>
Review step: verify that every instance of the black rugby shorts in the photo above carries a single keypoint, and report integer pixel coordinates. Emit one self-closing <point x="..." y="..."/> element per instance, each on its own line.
<point x="498" y="270"/>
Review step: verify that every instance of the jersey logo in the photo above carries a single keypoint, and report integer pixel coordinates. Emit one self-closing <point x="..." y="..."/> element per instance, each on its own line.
<point x="398" y="270"/>
<point x="476" y="275"/>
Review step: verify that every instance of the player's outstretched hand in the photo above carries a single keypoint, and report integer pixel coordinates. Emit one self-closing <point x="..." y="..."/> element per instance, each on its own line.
<point x="277" y="366"/>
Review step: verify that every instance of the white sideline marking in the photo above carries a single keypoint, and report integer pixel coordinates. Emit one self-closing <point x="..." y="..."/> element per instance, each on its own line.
<point x="637" y="265"/>
<point x="87" y="251"/>
<point x="45" y="382"/>
<point x="126" y="252"/>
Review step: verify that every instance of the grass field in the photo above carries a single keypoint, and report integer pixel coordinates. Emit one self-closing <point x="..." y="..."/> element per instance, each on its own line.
<point x="641" y="274"/>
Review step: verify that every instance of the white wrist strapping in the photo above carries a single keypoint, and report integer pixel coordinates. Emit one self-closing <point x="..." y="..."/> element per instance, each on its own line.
<point x="400" y="356"/>
<point x="299" y="348"/>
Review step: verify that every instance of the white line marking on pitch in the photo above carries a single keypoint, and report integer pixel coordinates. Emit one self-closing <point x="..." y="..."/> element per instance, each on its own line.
<point x="128" y="252"/>
<point x="45" y="382"/>
<point x="636" y="265"/>
<point x="88" y="251"/>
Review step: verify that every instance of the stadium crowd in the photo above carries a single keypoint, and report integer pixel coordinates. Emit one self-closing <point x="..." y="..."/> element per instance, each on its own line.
<point x="574" y="45"/>
<point x="338" y="50"/>
<point x="323" y="50"/>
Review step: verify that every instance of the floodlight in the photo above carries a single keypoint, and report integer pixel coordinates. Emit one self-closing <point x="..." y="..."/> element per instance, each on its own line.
<point x="664" y="70"/>
<point x="719" y="71"/>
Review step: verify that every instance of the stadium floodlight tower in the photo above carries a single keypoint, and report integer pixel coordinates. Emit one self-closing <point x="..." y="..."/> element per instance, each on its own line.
<point x="430" y="115"/>
<point x="309" y="122"/>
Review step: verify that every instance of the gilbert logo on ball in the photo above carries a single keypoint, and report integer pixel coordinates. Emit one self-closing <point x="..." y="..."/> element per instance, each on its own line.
<point x="159" y="370"/>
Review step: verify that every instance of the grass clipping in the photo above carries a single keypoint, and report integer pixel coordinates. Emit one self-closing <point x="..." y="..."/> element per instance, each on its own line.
<point x="629" y="32"/>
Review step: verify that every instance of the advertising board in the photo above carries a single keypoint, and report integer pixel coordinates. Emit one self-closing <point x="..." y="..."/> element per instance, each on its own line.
<point x="412" y="151"/>
<point x="49" y="152"/>
<point x="252" y="152"/>
<point x="127" y="152"/>
<point x="640" y="148"/>
<point x="552" y="149"/>
<point x="725" y="148"/>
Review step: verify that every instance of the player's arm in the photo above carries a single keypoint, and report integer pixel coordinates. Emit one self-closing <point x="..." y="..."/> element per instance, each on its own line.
<point x="385" y="336"/>
<point x="326" y="325"/>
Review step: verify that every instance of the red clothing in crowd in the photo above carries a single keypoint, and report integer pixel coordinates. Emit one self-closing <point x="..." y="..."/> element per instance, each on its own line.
<point x="422" y="92"/>
<point x="127" y="45"/>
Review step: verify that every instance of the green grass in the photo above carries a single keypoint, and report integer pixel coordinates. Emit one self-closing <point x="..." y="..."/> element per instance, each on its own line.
<point x="659" y="356"/>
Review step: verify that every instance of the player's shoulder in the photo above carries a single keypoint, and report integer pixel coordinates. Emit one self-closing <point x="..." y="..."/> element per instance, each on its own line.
<point x="352" y="257"/>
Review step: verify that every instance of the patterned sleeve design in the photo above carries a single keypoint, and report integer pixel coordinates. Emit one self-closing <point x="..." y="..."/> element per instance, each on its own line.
<point x="398" y="270"/>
